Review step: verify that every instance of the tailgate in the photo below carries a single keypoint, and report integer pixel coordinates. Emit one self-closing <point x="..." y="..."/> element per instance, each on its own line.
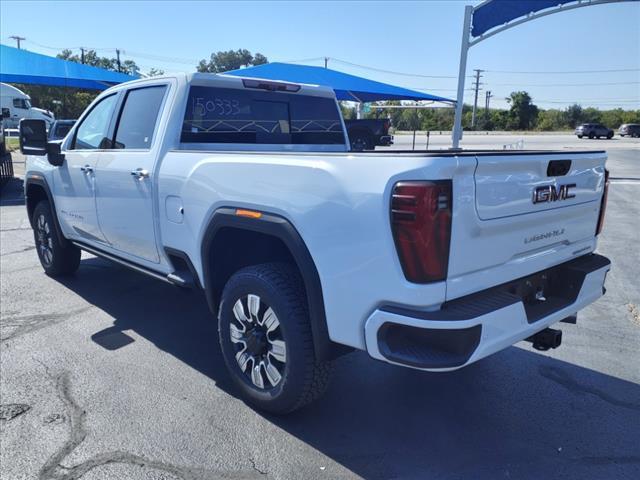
<point x="522" y="213"/>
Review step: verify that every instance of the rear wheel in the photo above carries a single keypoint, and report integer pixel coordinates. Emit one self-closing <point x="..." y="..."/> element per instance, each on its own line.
<point x="266" y="341"/>
<point x="609" y="135"/>
<point x="360" y="142"/>
<point x="55" y="258"/>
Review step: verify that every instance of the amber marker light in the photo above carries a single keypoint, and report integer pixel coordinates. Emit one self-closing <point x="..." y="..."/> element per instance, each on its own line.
<point x="248" y="213"/>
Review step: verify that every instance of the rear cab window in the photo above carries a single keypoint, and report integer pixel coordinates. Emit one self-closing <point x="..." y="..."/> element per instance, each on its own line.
<point x="221" y="115"/>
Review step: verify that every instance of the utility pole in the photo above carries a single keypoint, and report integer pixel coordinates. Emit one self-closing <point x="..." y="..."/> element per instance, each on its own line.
<point x="475" y="99"/>
<point x="17" y="39"/>
<point x="118" y="55"/>
<point x="82" y="54"/>
<point x="487" y="99"/>
<point x="326" y="61"/>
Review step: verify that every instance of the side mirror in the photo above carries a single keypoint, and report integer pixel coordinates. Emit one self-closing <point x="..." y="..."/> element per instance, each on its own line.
<point x="53" y="153"/>
<point x="6" y="113"/>
<point x="33" y="137"/>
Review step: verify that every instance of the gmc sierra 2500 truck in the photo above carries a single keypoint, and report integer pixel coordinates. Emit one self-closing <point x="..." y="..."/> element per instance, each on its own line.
<point x="247" y="190"/>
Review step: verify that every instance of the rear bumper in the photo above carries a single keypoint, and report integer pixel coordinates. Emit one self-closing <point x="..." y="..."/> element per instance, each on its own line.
<point x="473" y="327"/>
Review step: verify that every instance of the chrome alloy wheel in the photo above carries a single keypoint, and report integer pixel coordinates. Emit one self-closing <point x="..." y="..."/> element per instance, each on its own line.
<point x="43" y="240"/>
<point x="261" y="351"/>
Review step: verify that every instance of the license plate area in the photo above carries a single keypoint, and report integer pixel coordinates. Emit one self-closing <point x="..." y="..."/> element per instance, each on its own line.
<point x="548" y="291"/>
<point x="541" y="293"/>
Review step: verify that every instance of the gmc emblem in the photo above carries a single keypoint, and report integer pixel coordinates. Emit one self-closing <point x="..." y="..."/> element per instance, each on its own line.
<point x="549" y="193"/>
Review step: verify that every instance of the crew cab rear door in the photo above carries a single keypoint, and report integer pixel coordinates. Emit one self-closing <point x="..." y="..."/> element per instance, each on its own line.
<point x="521" y="213"/>
<point x="125" y="174"/>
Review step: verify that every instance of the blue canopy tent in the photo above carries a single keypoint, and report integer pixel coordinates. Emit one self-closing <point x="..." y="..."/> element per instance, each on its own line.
<point x="21" y="66"/>
<point x="347" y="87"/>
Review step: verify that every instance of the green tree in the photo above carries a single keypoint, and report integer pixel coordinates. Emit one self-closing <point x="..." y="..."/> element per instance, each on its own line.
<point x="230" y="60"/>
<point x="91" y="58"/>
<point x="154" y="72"/>
<point x="574" y="115"/>
<point x="550" y="120"/>
<point x="523" y="113"/>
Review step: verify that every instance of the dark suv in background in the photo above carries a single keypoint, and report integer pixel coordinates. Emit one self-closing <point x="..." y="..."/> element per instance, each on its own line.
<point x="631" y="129"/>
<point x="593" y="130"/>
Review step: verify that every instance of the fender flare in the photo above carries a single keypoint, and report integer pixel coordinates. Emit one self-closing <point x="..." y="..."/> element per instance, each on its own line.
<point x="279" y="227"/>
<point x="42" y="182"/>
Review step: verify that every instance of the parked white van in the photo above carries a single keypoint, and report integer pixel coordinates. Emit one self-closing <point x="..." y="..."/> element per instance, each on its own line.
<point x="19" y="105"/>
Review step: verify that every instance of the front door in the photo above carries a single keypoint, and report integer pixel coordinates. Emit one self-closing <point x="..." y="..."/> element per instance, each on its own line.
<point x="74" y="180"/>
<point x="125" y="176"/>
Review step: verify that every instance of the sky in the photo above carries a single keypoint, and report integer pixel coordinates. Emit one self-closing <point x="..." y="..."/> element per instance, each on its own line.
<point x="413" y="39"/>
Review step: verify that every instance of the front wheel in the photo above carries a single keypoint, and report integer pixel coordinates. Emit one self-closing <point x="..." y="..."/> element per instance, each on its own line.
<point x="266" y="341"/>
<point x="579" y="136"/>
<point x="56" y="259"/>
<point x="609" y="135"/>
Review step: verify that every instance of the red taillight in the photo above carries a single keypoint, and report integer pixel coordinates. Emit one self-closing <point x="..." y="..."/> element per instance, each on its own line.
<point x="603" y="203"/>
<point x="421" y="224"/>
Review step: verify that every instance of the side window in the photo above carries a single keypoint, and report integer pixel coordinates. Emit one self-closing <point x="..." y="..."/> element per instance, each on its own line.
<point x="138" y="117"/>
<point x="19" y="103"/>
<point x="94" y="129"/>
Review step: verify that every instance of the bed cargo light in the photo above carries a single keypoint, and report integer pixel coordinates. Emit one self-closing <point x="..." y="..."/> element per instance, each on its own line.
<point x="421" y="224"/>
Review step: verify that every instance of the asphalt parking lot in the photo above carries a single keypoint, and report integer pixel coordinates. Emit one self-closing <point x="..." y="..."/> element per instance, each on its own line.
<point x="110" y="374"/>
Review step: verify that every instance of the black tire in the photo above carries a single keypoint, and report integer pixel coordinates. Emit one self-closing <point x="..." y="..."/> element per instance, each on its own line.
<point x="56" y="259"/>
<point x="361" y="142"/>
<point x="592" y="135"/>
<point x="579" y="136"/>
<point x="302" y="378"/>
<point x="609" y="135"/>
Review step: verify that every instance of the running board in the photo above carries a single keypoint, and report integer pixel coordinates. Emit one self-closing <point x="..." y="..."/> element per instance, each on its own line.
<point x="171" y="278"/>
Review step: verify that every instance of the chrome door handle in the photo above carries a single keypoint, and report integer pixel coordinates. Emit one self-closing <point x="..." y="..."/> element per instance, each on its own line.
<point x="140" y="173"/>
<point x="87" y="169"/>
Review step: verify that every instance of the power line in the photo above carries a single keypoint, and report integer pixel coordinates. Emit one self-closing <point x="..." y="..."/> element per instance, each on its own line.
<point x="393" y="72"/>
<point x="567" y="71"/>
<point x="562" y="84"/>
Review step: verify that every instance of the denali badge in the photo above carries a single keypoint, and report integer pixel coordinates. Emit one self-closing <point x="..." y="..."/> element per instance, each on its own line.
<point x="549" y="193"/>
<point x="544" y="236"/>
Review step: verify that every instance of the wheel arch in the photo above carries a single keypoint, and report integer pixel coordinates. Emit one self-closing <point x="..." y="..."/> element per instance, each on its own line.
<point x="279" y="230"/>
<point x="37" y="189"/>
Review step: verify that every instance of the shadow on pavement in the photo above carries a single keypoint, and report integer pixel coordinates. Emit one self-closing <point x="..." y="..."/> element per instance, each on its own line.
<point x="517" y="414"/>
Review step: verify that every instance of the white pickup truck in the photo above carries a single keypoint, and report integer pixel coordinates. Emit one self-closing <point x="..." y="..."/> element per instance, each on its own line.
<point x="247" y="190"/>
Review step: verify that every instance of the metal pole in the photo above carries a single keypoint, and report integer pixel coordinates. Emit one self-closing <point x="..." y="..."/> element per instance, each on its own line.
<point x="464" y="50"/>
<point x="414" y="139"/>
<point x="82" y="55"/>
<point x="475" y="98"/>
<point x="428" y="134"/>
<point x="118" y="55"/>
